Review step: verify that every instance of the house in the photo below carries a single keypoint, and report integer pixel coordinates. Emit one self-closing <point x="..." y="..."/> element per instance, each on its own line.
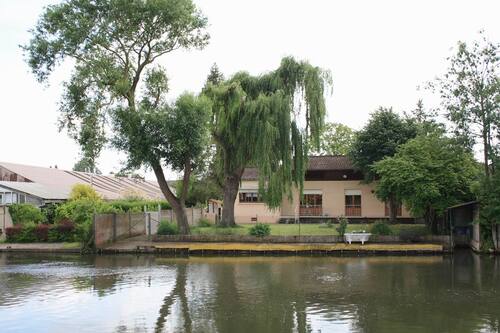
<point x="332" y="188"/>
<point x="39" y="186"/>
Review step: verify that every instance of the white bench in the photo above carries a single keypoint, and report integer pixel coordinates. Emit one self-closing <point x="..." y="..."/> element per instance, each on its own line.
<point x="357" y="237"/>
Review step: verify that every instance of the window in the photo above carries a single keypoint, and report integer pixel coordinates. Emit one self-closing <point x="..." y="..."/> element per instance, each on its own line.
<point x="399" y="210"/>
<point x="22" y="198"/>
<point x="353" y="203"/>
<point x="311" y="204"/>
<point x="312" y="200"/>
<point x="250" y="197"/>
<point x="1" y="198"/>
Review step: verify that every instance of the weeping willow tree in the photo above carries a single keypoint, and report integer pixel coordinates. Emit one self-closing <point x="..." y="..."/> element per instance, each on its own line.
<point x="268" y="122"/>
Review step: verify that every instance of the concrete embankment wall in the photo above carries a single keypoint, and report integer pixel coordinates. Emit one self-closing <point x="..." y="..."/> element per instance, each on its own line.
<point x="442" y="240"/>
<point x="112" y="227"/>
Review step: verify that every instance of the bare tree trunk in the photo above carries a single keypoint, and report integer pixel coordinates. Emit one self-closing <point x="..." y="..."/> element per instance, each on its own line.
<point x="393" y="209"/>
<point x="231" y="185"/>
<point x="177" y="204"/>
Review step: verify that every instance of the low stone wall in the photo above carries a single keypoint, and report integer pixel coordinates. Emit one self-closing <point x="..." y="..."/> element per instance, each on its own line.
<point x="443" y="240"/>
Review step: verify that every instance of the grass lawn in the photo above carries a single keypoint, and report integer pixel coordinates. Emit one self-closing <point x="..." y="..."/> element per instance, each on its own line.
<point x="305" y="229"/>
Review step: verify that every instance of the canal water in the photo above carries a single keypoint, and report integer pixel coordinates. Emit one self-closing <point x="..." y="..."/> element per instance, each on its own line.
<point x="66" y="293"/>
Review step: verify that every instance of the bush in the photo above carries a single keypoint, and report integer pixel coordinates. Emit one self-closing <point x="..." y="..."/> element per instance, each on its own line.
<point x="49" y="211"/>
<point x="41" y="232"/>
<point x="343" y="222"/>
<point x="64" y="231"/>
<point x="25" y="213"/>
<point x="83" y="191"/>
<point x="329" y="223"/>
<point x="138" y="205"/>
<point x="381" y="228"/>
<point x="260" y="230"/>
<point x="21" y="234"/>
<point x="31" y="233"/>
<point x="167" y="228"/>
<point x="204" y="223"/>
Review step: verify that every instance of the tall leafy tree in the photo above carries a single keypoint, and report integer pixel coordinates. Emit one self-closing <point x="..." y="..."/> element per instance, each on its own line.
<point x="428" y="173"/>
<point x="256" y="122"/>
<point x="380" y="138"/>
<point x="114" y="45"/>
<point x="336" y="139"/>
<point x="470" y="93"/>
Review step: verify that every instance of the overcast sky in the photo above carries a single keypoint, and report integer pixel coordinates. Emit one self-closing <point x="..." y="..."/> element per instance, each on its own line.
<point x="378" y="51"/>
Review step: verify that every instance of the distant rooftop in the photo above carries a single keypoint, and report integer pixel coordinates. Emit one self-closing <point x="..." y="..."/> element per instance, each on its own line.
<point x="57" y="182"/>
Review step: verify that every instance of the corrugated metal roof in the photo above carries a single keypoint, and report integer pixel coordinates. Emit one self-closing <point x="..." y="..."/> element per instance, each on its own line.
<point x="35" y="189"/>
<point x="327" y="162"/>
<point x="60" y="181"/>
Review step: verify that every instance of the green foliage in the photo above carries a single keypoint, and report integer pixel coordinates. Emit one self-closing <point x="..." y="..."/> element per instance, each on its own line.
<point x="114" y="45"/>
<point x="343" y="222"/>
<point x="260" y="230"/>
<point x="470" y="94"/>
<point x="49" y="211"/>
<point x="329" y="223"/>
<point x="200" y="190"/>
<point x="255" y="122"/>
<point x="336" y="139"/>
<point x="84" y="191"/>
<point x="138" y="205"/>
<point x="429" y="174"/>
<point x="488" y="194"/>
<point x="381" y="228"/>
<point x="87" y="164"/>
<point x="204" y="223"/>
<point x="81" y="212"/>
<point x="380" y="138"/>
<point x="167" y="228"/>
<point x="23" y="214"/>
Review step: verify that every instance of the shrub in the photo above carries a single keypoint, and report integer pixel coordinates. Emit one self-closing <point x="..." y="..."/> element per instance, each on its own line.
<point x="41" y="232"/>
<point x="83" y="191"/>
<point x="49" y="211"/>
<point x="25" y="213"/>
<point x="329" y="223"/>
<point x="21" y="234"/>
<point x="260" y="230"/>
<point x="204" y="223"/>
<point x="64" y="231"/>
<point x="381" y="228"/>
<point x="167" y="228"/>
<point x="12" y="233"/>
<point x="138" y="205"/>
<point x="343" y="222"/>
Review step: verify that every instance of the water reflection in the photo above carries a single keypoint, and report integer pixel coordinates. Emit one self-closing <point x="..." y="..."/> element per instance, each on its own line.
<point x="250" y="294"/>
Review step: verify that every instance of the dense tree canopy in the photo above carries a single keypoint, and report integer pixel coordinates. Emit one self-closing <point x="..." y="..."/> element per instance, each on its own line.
<point x="256" y="122"/>
<point x="336" y="139"/>
<point x="428" y="173"/>
<point x="114" y="44"/>
<point x="385" y="131"/>
<point x="380" y="138"/>
<point x="470" y="93"/>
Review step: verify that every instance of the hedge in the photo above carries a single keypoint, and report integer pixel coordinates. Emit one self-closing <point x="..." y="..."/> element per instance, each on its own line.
<point x="62" y="232"/>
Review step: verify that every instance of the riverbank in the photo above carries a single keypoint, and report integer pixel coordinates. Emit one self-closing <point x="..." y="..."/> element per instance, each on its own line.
<point x="41" y="247"/>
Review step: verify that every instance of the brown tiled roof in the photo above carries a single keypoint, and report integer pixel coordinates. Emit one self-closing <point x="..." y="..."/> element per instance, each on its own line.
<point x="327" y="162"/>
